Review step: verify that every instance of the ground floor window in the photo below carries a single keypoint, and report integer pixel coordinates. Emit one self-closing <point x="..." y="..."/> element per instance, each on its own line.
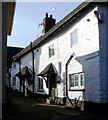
<point x="76" y="80"/>
<point x="40" y="84"/>
<point x="14" y="81"/>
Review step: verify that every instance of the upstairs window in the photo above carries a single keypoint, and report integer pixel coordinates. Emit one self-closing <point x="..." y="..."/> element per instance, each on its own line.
<point x="51" y="50"/>
<point x="60" y="67"/>
<point x="74" y="37"/>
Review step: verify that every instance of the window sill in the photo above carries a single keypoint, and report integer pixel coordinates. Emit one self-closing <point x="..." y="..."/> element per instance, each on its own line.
<point x="77" y="89"/>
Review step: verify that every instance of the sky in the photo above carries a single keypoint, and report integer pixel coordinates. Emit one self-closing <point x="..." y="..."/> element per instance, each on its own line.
<point x="28" y="16"/>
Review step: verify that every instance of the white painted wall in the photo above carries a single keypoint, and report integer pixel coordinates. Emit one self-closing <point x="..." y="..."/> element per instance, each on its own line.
<point x="27" y="61"/>
<point x="14" y="71"/>
<point x="86" y="59"/>
<point x="88" y="43"/>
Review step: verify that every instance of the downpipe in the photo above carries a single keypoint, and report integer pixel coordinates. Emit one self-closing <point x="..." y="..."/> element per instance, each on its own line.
<point x="66" y="69"/>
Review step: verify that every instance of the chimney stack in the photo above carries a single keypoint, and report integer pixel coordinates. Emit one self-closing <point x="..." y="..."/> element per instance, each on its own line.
<point x="48" y="23"/>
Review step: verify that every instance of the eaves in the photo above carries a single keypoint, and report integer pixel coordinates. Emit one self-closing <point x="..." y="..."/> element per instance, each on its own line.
<point x="71" y="16"/>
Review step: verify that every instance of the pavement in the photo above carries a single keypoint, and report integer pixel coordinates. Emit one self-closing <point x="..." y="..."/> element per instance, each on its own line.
<point x="27" y="109"/>
<point x="60" y="109"/>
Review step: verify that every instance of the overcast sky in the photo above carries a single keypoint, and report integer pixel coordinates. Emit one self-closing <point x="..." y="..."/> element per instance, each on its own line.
<point x="28" y="15"/>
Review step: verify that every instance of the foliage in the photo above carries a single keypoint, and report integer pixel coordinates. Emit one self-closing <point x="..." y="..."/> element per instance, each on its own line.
<point x="51" y="100"/>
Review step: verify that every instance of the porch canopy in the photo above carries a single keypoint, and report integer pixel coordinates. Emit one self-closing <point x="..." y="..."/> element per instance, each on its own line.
<point x="25" y="72"/>
<point x="48" y="71"/>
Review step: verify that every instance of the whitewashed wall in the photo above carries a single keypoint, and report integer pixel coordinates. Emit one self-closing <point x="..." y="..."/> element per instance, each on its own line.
<point x="26" y="61"/>
<point x="86" y="58"/>
<point x="88" y="43"/>
<point x="37" y="54"/>
<point x="14" y="71"/>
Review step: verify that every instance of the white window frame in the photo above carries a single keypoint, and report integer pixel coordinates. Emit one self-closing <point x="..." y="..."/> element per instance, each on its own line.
<point x="51" y="50"/>
<point x="74" y="37"/>
<point x="76" y="83"/>
<point x="83" y="79"/>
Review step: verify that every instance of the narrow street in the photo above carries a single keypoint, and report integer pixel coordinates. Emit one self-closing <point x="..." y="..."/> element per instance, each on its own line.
<point x="26" y="109"/>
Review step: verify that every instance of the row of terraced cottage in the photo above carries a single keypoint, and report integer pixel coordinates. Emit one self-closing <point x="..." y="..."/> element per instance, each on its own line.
<point x="69" y="59"/>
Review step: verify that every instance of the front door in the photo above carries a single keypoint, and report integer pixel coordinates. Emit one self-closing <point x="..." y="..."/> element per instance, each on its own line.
<point x="52" y="85"/>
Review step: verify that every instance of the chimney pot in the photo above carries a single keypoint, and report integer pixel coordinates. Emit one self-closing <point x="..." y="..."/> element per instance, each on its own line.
<point x="46" y="15"/>
<point x="49" y="22"/>
<point x="51" y="16"/>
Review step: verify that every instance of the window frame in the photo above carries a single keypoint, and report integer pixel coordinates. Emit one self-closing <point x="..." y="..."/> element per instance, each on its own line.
<point x="13" y="81"/>
<point x="40" y="83"/>
<point x="76" y="84"/>
<point x="81" y="80"/>
<point x="72" y="34"/>
<point x="51" y="50"/>
<point x="60" y="67"/>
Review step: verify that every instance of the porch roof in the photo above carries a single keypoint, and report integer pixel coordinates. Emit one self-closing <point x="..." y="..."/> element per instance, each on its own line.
<point x="49" y="70"/>
<point x="24" y="72"/>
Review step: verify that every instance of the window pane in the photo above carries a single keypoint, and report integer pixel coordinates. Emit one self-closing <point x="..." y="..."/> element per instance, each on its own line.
<point x="51" y="50"/>
<point x="71" y="80"/>
<point x="60" y="67"/>
<point x="74" y="38"/>
<point x="82" y="79"/>
<point x="40" y="83"/>
<point x="14" y="81"/>
<point x="76" y="80"/>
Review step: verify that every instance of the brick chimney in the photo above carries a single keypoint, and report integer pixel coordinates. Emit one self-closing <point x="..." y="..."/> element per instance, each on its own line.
<point x="48" y="23"/>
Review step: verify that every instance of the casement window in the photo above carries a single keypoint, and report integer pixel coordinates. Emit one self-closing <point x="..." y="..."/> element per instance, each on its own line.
<point x="40" y="84"/>
<point x="59" y="67"/>
<point x="74" y="37"/>
<point x="14" y="81"/>
<point x="76" y="80"/>
<point x="51" y="50"/>
<point x="82" y="79"/>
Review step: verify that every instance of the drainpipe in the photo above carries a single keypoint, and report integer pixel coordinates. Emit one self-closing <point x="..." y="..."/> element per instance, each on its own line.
<point x="66" y="67"/>
<point x="32" y="63"/>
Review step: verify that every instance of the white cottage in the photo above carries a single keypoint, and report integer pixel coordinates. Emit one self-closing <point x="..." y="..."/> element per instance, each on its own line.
<point x="70" y="58"/>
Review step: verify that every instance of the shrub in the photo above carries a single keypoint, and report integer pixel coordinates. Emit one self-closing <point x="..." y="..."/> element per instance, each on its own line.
<point x="51" y="100"/>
